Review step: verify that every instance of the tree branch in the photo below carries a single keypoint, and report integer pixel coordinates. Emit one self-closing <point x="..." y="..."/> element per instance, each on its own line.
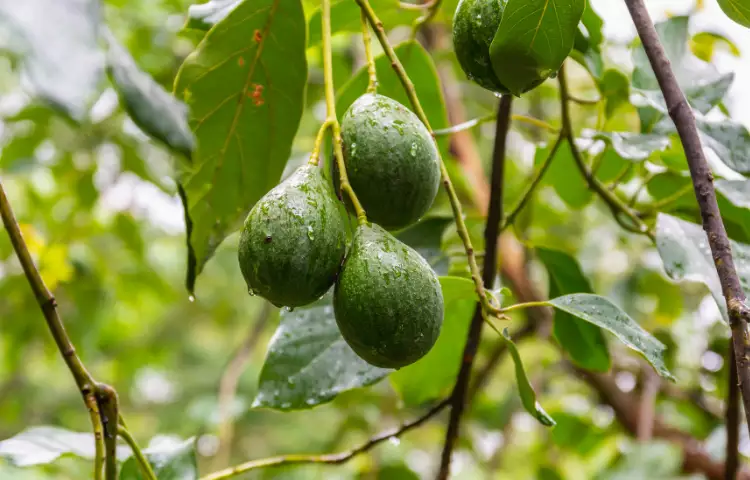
<point x="732" y="421"/>
<point x="491" y="232"/>
<point x="700" y="172"/>
<point x="650" y="385"/>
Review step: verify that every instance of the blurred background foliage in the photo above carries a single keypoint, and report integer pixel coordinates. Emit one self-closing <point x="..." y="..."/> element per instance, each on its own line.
<point x="99" y="209"/>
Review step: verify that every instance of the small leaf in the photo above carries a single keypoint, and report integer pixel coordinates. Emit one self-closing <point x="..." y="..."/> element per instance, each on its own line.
<point x="533" y="39"/>
<point x="57" y="42"/>
<point x="594" y="26"/>
<point x="170" y="460"/>
<point x="704" y="44"/>
<point x="245" y="86"/>
<point x="603" y="313"/>
<point x="308" y="361"/>
<point x="583" y="341"/>
<point x="435" y="373"/>
<point x="737" y="10"/>
<point x="614" y="88"/>
<point x="157" y="112"/>
<point x="634" y="146"/>
<point x="525" y="390"/>
<point x="205" y="15"/>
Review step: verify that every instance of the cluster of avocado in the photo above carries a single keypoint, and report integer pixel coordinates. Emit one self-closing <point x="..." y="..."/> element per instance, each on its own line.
<point x="387" y="299"/>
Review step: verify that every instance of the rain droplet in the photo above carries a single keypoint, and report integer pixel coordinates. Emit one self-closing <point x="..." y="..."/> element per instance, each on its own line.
<point x="394" y="441"/>
<point x="191" y="298"/>
<point x="289" y="309"/>
<point x="251" y="292"/>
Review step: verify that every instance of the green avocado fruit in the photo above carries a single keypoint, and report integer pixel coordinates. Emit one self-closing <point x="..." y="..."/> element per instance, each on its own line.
<point x="293" y="240"/>
<point x="387" y="300"/>
<point x="391" y="160"/>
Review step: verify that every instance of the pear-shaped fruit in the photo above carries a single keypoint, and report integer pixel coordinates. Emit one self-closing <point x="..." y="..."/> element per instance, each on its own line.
<point x="391" y="159"/>
<point x="388" y="302"/>
<point x="293" y="240"/>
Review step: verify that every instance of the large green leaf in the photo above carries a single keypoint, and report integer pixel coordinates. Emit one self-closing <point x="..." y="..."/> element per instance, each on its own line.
<point x="634" y="146"/>
<point x="345" y="17"/>
<point x="533" y="39"/>
<point x="152" y="108"/>
<point x="737" y="10"/>
<point x="245" y="87"/>
<point x="309" y="362"/>
<point x="57" y="42"/>
<point x="434" y="374"/>
<point x="603" y="313"/>
<point x="170" y="460"/>
<point x="583" y="341"/>
<point x="730" y="141"/>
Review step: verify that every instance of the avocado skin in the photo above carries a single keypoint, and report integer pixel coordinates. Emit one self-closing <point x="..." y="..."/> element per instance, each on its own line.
<point x="293" y="240"/>
<point x="474" y="26"/>
<point x="387" y="300"/>
<point x="391" y="160"/>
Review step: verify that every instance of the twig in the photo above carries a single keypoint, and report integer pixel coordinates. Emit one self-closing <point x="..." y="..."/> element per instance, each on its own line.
<point x="491" y="232"/>
<point x="732" y="421"/>
<point x="96" y="421"/>
<point x="490" y="118"/>
<point x="330" y="458"/>
<point x="655" y="206"/>
<point x="315" y="153"/>
<point x="583" y="101"/>
<point x="106" y="398"/>
<point x="431" y="9"/>
<point x="700" y="172"/>
<point x="143" y="463"/>
<point x="372" y="75"/>
<point x="649" y="390"/>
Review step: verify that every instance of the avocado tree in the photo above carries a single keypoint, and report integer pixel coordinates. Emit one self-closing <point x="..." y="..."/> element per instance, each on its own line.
<point x="522" y="242"/>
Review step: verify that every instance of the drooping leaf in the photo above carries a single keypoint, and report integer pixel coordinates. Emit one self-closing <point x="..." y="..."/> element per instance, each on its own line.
<point x="57" y="42"/>
<point x="583" y="341"/>
<point x="309" y="362"/>
<point x="533" y="39"/>
<point x="605" y="314"/>
<point x="245" y="87"/>
<point x="704" y="44"/>
<point x="205" y="15"/>
<point x="435" y="373"/>
<point x="152" y="108"/>
<point x="634" y="146"/>
<point x="170" y="460"/>
<point x="737" y="10"/>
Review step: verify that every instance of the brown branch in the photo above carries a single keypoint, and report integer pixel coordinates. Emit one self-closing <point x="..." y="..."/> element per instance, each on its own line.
<point x="700" y="172"/>
<point x="491" y="232"/>
<point x="732" y="420"/>
<point x="650" y="385"/>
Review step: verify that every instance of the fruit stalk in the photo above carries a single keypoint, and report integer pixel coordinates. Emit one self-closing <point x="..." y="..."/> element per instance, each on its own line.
<point x="372" y="75"/>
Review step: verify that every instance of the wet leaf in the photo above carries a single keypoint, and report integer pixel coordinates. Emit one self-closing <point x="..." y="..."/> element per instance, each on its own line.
<point x="634" y="146"/>
<point x="170" y="460"/>
<point x="730" y="141"/>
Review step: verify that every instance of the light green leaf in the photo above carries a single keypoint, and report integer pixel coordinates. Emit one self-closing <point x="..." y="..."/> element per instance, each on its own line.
<point x="245" y="87"/>
<point x="345" y="17"/>
<point x="614" y="88"/>
<point x="564" y="176"/>
<point x="737" y="10"/>
<point x="57" y="42"/>
<point x="525" y="390"/>
<point x="634" y="146"/>
<point x="434" y="374"/>
<point x="308" y="361"/>
<point x="704" y="44"/>
<point x="533" y="39"/>
<point x="594" y="26"/>
<point x="603" y="313"/>
<point x="205" y="15"/>
<point x="170" y="460"/>
<point x="152" y="108"/>
<point x="583" y="341"/>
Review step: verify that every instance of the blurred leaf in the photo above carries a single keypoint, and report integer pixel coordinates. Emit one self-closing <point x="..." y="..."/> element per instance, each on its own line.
<point x="245" y="86"/>
<point x="704" y="44"/>
<point x="594" y="25"/>
<point x="730" y="141"/>
<point x="535" y="37"/>
<point x="57" y="43"/>
<point x="737" y="10"/>
<point x="614" y="88"/>
<point x="157" y="112"/>
<point x="576" y="432"/>
<point x="583" y="341"/>
<point x="603" y="313"/>
<point x="205" y="15"/>
<point x="425" y="237"/>
<point x="525" y="390"/>
<point x="655" y="459"/>
<point x="564" y="176"/>
<point x="170" y="461"/>
<point x="309" y="362"/>
<point x="634" y="146"/>
<point x="435" y="373"/>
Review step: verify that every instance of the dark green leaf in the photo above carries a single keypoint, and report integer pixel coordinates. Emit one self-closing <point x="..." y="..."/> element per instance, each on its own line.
<point x="614" y="88"/>
<point x="435" y="373"/>
<point x="634" y="146"/>
<point x="245" y="86"/>
<point x="57" y="41"/>
<point x="594" y="25"/>
<point x="157" y="112"/>
<point x="205" y="15"/>
<point x="583" y="341"/>
<point x="309" y="362"/>
<point x="170" y="461"/>
<point x="603" y="313"/>
<point x="533" y="39"/>
<point x="737" y="10"/>
<point x="425" y="237"/>
<point x="564" y="176"/>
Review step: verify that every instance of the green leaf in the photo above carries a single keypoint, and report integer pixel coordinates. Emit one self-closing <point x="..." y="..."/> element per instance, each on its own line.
<point x="205" y="15"/>
<point x="583" y="341"/>
<point x="655" y="459"/>
<point x="704" y="44"/>
<point x="737" y="10"/>
<point x="245" y="87"/>
<point x="603" y="313"/>
<point x="614" y="88"/>
<point x="730" y="141"/>
<point x="684" y="250"/>
<point x="57" y="42"/>
<point x="594" y="26"/>
<point x="564" y="176"/>
<point x="434" y="374"/>
<point x="308" y="361"/>
<point x="170" y="460"/>
<point x="152" y="108"/>
<point x="634" y="146"/>
<point x="525" y="390"/>
<point x="533" y="39"/>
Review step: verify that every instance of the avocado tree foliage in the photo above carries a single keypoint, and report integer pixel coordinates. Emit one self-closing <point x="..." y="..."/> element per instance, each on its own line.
<point x="344" y="140"/>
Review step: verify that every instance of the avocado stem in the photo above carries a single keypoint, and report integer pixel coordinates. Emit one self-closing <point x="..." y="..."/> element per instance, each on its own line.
<point x="315" y="153"/>
<point x="372" y="74"/>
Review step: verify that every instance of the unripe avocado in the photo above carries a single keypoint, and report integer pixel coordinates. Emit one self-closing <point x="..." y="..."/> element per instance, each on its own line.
<point x="293" y="241"/>
<point x="387" y="300"/>
<point x="391" y="160"/>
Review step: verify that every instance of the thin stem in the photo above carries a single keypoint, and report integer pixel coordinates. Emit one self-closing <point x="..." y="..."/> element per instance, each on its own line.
<point x="521" y="306"/>
<point x="634" y="198"/>
<point x="583" y="101"/>
<point x="535" y="122"/>
<point x="315" y="153"/>
<point x="372" y="73"/>
<point x="431" y="9"/>
<point x="653" y="207"/>
<point x="411" y="93"/>
<point x="143" y="463"/>
<point x="620" y="177"/>
<point x="96" y="421"/>
<point x="106" y="398"/>
<point x="330" y="458"/>
<point x="345" y="186"/>
<point x="491" y="233"/>
<point x="469" y="124"/>
<point x="732" y="420"/>
<point x="700" y="172"/>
